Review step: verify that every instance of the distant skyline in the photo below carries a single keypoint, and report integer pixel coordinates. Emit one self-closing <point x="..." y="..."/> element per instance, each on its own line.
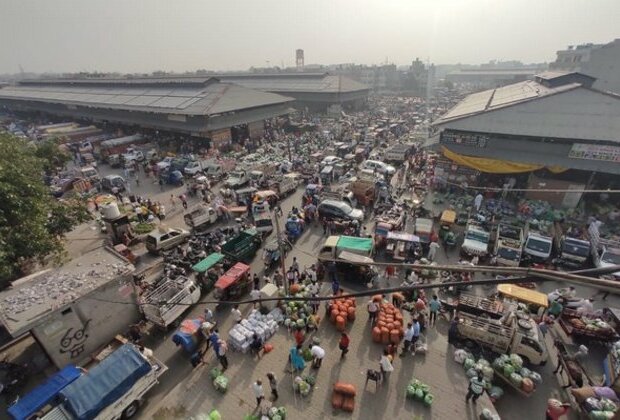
<point x="142" y="36"/>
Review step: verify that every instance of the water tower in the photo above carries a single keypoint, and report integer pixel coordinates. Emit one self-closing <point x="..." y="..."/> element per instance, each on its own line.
<point x="299" y="59"/>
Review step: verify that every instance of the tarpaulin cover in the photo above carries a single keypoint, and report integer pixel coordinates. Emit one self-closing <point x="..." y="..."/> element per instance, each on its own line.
<point x="208" y="262"/>
<point x="187" y="335"/>
<point x="40" y="396"/>
<point x="105" y="383"/>
<point x="232" y="275"/>
<point x="496" y="166"/>
<point x="353" y="243"/>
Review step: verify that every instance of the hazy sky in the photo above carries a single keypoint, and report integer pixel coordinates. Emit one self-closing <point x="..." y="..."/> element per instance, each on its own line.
<point x="179" y="35"/>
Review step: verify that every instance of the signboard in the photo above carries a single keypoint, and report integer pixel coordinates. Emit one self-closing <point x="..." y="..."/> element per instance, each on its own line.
<point x="595" y="152"/>
<point x="465" y="139"/>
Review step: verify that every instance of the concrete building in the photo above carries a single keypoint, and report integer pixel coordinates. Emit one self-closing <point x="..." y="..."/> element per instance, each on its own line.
<point x="74" y="310"/>
<point x="315" y="91"/>
<point x="194" y="106"/>
<point x="601" y="61"/>
<point x="490" y="78"/>
<point x="555" y="126"/>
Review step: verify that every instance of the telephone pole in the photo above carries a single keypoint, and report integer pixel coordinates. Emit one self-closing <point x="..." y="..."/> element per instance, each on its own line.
<point x="281" y="249"/>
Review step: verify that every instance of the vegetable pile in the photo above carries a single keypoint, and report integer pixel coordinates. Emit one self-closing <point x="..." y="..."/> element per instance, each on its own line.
<point x="419" y="391"/>
<point x="342" y="310"/>
<point x="277" y="413"/>
<point x="297" y="313"/>
<point x="511" y="367"/>
<point x="304" y="385"/>
<point x="389" y="327"/>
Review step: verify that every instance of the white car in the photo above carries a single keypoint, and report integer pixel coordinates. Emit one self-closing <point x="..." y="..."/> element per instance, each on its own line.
<point x="330" y="160"/>
<point x="380" y="167"/>
<point x="165" y="163"/>
<point x="133" y="155"/>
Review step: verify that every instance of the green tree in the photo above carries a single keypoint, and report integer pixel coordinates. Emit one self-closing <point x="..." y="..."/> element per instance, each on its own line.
<point x="52" y="156"/>
<point x="32" y="222"/>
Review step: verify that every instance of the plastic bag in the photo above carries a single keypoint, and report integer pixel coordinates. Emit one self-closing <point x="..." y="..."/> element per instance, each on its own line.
<point x="496" y="392"/>
<point x="215" y="372"/>
<point x="215" y="415"/>
<point x="221" y="383"/>
<point x="460" y="355"/>
<point x="535" y="376"/>
<point x="608" y="405"/>
<point x="516" y="361"/>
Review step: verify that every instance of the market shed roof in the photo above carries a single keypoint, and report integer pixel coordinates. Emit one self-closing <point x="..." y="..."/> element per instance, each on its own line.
<point x="32" y="298"/>
<point x="296" y="82"/>
<point x="164" y="95"/>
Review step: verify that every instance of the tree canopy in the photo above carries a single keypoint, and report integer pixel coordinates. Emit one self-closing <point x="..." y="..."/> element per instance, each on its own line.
<point x="32" y="222"/>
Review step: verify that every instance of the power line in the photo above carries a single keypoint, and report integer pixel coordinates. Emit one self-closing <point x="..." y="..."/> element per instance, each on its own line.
<point x="550" y="190"/>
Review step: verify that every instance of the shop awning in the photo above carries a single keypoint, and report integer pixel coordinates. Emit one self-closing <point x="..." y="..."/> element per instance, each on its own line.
<point x="208" y="262"/>
<point x="496" y="166"/>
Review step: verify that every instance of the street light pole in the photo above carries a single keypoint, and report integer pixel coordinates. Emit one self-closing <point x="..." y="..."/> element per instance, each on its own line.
<point x="281" y="249"/>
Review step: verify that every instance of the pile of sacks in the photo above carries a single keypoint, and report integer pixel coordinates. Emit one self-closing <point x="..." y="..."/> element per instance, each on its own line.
<point x="265" y="326"/>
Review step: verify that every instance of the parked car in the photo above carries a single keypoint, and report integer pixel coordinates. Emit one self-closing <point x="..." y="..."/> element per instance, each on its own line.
<point x="113" y="181"/>
<point x="165" y="163"/>
<point x="332" y="209"/>
<point x="380" y="167"/>
<point x="161" y="239"/>
<point x="330" y="160"/>
<point x="133" y="155"/>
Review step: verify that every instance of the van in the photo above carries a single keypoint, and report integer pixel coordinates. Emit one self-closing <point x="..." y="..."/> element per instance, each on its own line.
<point x="113" y="181"/>
<point x="89" y="173"/>
<point x="163" y="239"/>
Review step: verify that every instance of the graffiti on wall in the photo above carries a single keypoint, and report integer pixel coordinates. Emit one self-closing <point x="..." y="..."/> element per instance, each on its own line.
<point x="74" y="340"/>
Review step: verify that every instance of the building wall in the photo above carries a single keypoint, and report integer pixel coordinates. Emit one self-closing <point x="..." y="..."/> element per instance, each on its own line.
<point x="600" y="61"/>
<point x="72" y="334"/>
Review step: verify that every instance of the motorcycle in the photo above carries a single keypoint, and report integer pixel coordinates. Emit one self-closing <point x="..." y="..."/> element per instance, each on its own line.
<point x="12" y="377"/>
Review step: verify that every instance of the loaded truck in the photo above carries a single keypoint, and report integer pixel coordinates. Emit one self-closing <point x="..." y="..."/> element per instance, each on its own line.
<point x="119" y="145"/>
<point x="200" y="216"/>
<point x="571" y="251"/>
<point x="343" y="247"/>
<point x="508" y="245"/>
<point x="237" y="179"/>
<point x="519" y="336"/>
<point x="112" y="388"/>
<point x="169" y="300"/>
<point x="243" y="246"/>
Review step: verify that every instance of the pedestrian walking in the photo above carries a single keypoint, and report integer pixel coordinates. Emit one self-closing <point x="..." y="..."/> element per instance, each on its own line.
<point x="416" y="333"/>
<point x="478" y="202"/>
<point x="255" y="296"/>
<point x="236" y="314"/>
<point x="434" y="306"/>
<point x="335" y="287"/>
<point x="385" y="365"/>
<point x="343" y="344"/>
<point x="324" y="224"/>
<point x="221" y="353"/>
<point x="256" y="281"/>
<point x="476" y="388"/>
<point x="290" y="276"/>
<point x="432" y="250"/>
<point x="407" y="338"/>
<point x="257" y="387"/>
<point x="161" y="184"/>
<point x="183" y="199"/>
<point x="173" y="202"/>
<point x="295" y="264"/>
<point x="273" y="384"/>
<point x="373" y="308"/>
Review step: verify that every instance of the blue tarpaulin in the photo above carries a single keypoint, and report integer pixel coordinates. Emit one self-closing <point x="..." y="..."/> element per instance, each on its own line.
<point x="105" y="383"/>
<point x="43" y="394"/>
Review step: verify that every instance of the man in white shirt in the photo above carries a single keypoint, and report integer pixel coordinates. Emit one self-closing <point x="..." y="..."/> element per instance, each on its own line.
<point x="478" y="202"/>
<point x="257" y="387"/>
<point x="236" y="314"/>
<point x="373" y="308"/>
<point x="408" y="338"/>
<point x="432" y="250"/>
<point x="318" y="354"/>
<point x="255" y="296"/>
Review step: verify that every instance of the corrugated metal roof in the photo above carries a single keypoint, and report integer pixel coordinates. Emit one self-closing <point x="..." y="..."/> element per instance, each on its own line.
<point x="291" y="82"/>
<point x="502" y="97"/>
<point x="187" y="96"/>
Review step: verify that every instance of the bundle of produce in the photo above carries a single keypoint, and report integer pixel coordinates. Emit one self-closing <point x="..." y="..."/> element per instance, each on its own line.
<point x="240" y="335"/>
<point x="600" y="408"/>
<point x="277" y="413"/>
<point x="297" y="313"/>
<point x="419" y="391"/>
<point x="302" y="386"/>
<point x="221" y="383"/>
<point x="343" y="396"/>
<point x="389" y="326"/>
<point x="342" y="310"/>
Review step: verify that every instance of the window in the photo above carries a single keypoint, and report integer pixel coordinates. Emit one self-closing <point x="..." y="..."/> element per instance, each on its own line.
<point x="528" y="342"/>
<point x="174" y="234"/>
<point x="164" y="238"/>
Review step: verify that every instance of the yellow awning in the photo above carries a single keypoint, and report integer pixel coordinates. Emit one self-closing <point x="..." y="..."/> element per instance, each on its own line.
<point x="496" y="166"/>
<point x="523" y="295"/>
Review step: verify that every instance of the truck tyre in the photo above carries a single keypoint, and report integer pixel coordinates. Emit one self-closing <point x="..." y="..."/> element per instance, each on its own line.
<point x="131" y="410"/>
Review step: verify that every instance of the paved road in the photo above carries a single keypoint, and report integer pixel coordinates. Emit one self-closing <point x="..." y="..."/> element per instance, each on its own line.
<point x="186" y="391"/>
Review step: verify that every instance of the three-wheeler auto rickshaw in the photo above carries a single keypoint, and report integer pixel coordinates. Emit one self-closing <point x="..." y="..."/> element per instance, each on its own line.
<point x="235" y="283"/>
<point x="205" y="270"/>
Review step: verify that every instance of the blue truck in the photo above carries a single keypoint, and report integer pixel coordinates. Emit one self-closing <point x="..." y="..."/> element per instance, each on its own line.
<point x="112" y="388"/>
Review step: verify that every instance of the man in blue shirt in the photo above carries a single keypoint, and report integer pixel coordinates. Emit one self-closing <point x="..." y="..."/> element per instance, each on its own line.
<point x="416" y="332"/>
<point x="434" y="307"/>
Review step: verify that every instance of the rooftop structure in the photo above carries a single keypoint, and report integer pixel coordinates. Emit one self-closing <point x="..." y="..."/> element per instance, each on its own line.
<point x="173" y="103"/>
<point x="30" y="299"/>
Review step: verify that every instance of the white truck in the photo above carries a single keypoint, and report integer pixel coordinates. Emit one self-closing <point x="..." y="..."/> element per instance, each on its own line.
<point x="606" y="253"/>
<point x="476" y="240"/>
<point x="169" y="300"/>
<point x="133" y="155"/>
<point x="508" y="245"/>
<point x="237" y="179"/>
<point x="113" y="388"/>
<point x="397" y="153"/>
<point x="197" y="166"/>
<point x="283" y="185"/>
<point x="520" y="336"/>
<point x="200" y="216"/>
<point x="538" y="244"/>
